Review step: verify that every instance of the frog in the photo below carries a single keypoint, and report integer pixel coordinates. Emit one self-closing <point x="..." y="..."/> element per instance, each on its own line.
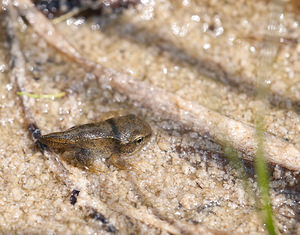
<point x="107" y="140"/>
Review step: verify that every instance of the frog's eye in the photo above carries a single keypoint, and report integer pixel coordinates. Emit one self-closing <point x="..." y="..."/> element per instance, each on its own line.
<point x="139" y="140"/>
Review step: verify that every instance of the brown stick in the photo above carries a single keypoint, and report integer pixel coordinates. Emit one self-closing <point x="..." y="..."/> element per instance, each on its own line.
<point x="18" y="78"/>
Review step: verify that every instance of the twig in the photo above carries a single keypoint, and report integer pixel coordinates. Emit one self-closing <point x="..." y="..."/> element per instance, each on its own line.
<point x="207" y="122"/>
<point x="18" y="79"/>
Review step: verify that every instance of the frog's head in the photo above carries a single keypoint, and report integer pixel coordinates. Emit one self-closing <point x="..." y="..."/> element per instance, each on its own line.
<point x="133" y="132"/>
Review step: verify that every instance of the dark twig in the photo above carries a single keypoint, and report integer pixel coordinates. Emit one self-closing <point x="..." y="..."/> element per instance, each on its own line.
<point x="18" y="78"/>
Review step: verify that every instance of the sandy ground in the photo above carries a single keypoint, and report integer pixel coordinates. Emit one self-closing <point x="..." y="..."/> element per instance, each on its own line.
<point x="204" y="51"/>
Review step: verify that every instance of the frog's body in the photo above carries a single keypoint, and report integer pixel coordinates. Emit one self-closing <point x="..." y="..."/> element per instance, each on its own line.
<point x="118" y="136"/>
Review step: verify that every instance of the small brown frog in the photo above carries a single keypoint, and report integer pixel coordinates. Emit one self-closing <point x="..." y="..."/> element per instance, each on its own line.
<point x="109" y="139"/>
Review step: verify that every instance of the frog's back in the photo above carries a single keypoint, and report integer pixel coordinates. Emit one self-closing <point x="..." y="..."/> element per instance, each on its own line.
<point x="89" y="131"/>
<point x="78" y="136"/>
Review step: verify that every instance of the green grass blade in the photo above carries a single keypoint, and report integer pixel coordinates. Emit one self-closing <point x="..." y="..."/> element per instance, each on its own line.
<point x="42" y="96"/>
<point x="262" y="173"/>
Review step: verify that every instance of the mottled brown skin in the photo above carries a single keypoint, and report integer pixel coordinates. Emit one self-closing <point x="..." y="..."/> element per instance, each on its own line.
<point x="114" y="137"/>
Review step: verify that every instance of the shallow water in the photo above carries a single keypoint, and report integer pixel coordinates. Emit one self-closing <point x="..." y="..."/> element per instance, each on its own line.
<point x="203" y="51"/>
